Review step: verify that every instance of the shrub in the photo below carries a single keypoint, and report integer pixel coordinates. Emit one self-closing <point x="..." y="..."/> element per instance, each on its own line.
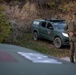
<point x="4" y="26"/>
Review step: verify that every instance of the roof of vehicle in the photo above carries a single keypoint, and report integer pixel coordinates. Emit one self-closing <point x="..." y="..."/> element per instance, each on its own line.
<point x="51" y="19"/>
<point x="39" y="20"/>
<point x="15" y="60"/>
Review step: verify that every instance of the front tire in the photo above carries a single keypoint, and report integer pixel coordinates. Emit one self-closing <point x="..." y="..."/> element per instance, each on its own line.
<point x="57" y="42"/>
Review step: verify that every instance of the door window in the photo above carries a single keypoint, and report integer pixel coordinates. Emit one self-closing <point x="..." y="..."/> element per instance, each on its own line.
<point x="43" y="24"/>
<point x="49" y="26"/>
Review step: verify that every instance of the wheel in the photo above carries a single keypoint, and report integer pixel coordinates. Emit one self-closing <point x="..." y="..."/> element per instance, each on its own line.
<point x="35" y="36"/>
<point x="57" y="42"/>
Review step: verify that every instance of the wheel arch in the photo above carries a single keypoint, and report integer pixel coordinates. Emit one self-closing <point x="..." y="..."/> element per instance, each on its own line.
<point x="57" y="36"/>
<point x="60" y="39"/>
<point x="36" y="32"/>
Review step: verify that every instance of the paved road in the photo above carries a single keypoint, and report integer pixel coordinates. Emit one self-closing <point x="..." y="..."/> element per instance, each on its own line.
<point x="15" y="60"/>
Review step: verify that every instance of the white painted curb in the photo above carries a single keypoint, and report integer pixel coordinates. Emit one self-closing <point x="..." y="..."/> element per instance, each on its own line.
<point x="66" y="58"/>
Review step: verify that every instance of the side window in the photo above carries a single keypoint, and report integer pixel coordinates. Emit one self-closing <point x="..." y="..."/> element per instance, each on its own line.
<point x="49" y="26"/>
<point x="36" y="22"/>
<point x="43" y="24"/>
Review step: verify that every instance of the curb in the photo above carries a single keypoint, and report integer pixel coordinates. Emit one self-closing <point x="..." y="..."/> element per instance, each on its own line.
<point x="66" y="58"/>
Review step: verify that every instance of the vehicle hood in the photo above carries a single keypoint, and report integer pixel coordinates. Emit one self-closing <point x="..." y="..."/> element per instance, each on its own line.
<point x="60" y="30"/>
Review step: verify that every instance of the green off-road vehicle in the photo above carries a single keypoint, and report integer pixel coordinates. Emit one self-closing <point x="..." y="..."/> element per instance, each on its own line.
<point x="50" y="29"/>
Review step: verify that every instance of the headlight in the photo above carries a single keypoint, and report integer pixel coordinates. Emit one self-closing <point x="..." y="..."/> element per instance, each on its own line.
<point x="64" y="34"/>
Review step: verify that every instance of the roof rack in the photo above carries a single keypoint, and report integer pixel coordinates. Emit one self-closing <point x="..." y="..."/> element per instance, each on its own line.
<point x="48" y="19"/>
<point x="53" y="19"/>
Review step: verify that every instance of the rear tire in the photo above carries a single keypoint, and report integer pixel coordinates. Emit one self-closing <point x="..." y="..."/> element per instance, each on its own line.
<point x="35" y="36"/>
<point x="57" y="42"/>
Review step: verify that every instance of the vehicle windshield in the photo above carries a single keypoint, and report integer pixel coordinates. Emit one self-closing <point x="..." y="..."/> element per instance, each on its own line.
<point x="59" y="25"/>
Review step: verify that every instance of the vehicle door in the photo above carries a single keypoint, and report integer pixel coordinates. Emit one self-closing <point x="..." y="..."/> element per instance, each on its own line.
<point x="49" y="31"/>
<point x="42" y="29"/>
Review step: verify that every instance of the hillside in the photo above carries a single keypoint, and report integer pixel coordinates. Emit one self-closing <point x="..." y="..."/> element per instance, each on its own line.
<point x="24" y="10"/>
